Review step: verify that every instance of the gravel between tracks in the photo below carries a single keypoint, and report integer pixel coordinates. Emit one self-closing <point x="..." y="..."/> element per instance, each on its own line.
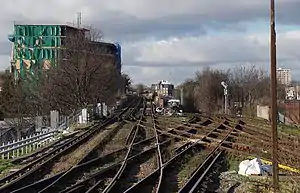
<point x="71" y="159"/>
<point x="118" y="141"/>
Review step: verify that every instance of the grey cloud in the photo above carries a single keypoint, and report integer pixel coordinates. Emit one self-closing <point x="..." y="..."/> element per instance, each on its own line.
<point x="228" y="17"/>
<point x="125" y="27"/>
<point x="177" y="74"/>
<point x="174" y="75"/>
<point x="122" y="24"/>
<point x="128" y="27"/>
<point x="5" y="47"/>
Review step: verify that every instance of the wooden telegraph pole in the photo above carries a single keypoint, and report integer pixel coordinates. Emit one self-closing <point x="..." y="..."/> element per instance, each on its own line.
<point x="274" y="96"/>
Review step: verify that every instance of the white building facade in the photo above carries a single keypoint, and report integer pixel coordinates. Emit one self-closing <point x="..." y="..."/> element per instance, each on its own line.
<point x="284" y="76"/>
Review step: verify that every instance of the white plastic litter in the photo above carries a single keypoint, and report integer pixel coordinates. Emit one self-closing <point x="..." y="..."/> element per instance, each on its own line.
<point x="65" y="132"/>
<point x="251" y="167"/>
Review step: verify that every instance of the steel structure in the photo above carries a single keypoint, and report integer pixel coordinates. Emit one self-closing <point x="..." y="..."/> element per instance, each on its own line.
<point x="37" y="47"/>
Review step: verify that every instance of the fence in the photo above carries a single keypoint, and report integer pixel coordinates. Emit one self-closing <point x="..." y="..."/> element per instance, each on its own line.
<point x="45" y="128"/>
<point x="66" y="121"/>
<point x="26" y="145"/>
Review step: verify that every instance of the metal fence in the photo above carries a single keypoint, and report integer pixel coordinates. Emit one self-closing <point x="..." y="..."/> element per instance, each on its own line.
<point x="66" y="121"/>
<point x="26" y="145"/>
<point x="44" y="132"/>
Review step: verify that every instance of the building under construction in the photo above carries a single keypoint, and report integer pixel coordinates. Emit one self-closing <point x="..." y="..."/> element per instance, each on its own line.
<point x="38" y="47"/>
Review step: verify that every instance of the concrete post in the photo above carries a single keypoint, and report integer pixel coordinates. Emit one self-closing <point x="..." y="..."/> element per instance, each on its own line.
<point x="80" y="119"/>
<point x="181" y="96"/>
<point x="54" y="119"/>
<point x="98" y="109"/>
<point x="84" y="116"/>
<point x="104" y="110"/>
<point x="38" y="123"/>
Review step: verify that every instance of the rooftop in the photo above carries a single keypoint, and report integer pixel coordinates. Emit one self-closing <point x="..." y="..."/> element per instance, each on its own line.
<point x="164" y="82"/>
<point x="68" y="24"/>
<point x="283" y="69"/>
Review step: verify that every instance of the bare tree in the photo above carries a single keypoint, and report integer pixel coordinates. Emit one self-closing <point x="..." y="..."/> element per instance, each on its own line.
<point x="208" y="90"/>
<point x="126" y="80"/>
<point x="249" y="86"/>
<point x="140" y="88"/>
<point x="188" y="95"/>
<point x="86" y="73"/>
<point x="14" y="102"/>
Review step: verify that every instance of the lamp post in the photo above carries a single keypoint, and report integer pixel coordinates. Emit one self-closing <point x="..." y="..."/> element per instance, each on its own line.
<point x="274" y="96"/>
<point x="224" y="84"/>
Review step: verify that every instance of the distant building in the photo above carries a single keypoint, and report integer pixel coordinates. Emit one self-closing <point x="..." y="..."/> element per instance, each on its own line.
<point x="163" y="88"/>
<point x="284" y="76"/>
<point x="164" y="91"/>
<point x="290" y="93"/>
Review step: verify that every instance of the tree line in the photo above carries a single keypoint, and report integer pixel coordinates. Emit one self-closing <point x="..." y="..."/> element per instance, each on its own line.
<point x="247" y="87"/>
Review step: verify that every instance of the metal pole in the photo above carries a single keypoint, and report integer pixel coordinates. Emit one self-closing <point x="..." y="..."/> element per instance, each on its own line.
<point x="225" y="100"/>
<point x="225" y="104"/>
<point x="274" y="95"/>
<point x="181" y="96"/>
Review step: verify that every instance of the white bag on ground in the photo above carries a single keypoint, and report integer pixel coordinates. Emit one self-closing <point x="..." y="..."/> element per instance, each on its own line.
<point x="250" y="167"/>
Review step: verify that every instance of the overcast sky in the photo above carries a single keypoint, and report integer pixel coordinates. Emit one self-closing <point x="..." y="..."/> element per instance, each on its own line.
<point x="172" y="39"/>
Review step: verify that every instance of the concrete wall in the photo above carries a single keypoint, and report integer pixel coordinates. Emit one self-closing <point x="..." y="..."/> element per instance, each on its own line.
<point x="263" y="112"/>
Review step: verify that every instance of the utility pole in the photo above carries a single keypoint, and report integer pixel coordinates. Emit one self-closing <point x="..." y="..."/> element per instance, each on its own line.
<point x="274" y="96"/>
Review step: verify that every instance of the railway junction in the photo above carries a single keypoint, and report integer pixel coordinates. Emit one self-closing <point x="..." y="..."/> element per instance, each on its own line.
<point x="136" y="150"/>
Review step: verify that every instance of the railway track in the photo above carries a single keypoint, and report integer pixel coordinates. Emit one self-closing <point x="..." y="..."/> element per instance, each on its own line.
<point x="165" y="179"/>
<point x="135" y="135"/>
<point x="144" y="154"/>
<point x="140" y="149"/>
<point x="40" y="167"/>
<point x="35" y="155"/>
<point x="57" y="185"/>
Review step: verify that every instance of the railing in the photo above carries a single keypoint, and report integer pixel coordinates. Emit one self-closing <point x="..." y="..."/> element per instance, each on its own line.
<point x="26" y="145"/>
<point x="66" y="121"/>
<point x="32" y="142"/>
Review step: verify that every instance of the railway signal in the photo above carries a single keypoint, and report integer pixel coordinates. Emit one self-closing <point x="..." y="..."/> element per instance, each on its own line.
<point x="225" y="85"/>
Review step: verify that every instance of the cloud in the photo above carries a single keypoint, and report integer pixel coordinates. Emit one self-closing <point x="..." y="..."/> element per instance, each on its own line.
<point x="162" y="37"/>
<point x="185" y="55"/>
<point x="201" y="50"/>
<point x="140" y="18"/>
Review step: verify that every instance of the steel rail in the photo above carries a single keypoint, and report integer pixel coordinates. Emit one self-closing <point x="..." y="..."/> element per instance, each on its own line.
<point x="124" y="164"/>
<point x="53" y="187"/>
<point x="160" y="161"/>
<point x="106" y="172"/>
<point x="20" y="177"/>
<point x="199" y="174"/>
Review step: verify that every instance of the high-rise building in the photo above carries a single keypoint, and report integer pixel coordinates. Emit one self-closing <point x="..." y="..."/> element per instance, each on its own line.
<point x="37" y="47"/>
<point x="284" y="76"/>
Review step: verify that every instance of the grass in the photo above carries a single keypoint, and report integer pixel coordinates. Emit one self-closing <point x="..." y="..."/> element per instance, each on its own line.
<point x="264" y="185"/>
<point x="5" y="165"/>
<point x="291" y="130"/>
<point x="233" y="162"/>
<point x="257" y="183"/>
<point x="192" y="164"/>
<point x="282" y="128"/>
<point x="81" y="126"/>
